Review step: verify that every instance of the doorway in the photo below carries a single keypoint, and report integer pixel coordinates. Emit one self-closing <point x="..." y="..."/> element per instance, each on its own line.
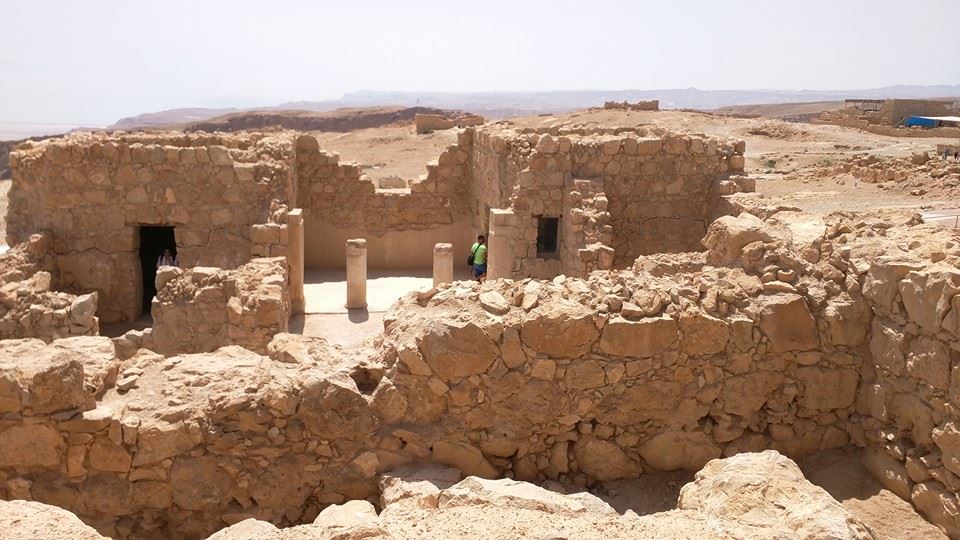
<point x="153" y="240"/>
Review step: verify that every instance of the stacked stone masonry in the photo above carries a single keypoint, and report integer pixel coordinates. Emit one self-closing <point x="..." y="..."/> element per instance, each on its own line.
<point x="227" y="197"/>
<point x="775" y="337"/>
<point x="29" y="307"/>
<point x="202" y="309"/>
<point x="92" y="193"/>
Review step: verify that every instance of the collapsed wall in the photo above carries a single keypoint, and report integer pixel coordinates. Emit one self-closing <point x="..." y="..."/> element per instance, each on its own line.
<point x="400" y="226"/>
<point x="202" y="309"/>
<point x="92" y="193"/>
<point x="761" y="342"/>
<point x="29" y="307"/>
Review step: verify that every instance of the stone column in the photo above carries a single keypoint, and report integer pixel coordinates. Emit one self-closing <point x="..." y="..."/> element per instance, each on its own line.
<point x="295" y="260"/>
<point x="356" y="273"/>
<point x="442" y="264"/>
<point x="503" y="225"/>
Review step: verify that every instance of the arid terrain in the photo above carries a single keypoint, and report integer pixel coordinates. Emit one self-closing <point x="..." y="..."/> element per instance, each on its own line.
<point x="787" y="369"/>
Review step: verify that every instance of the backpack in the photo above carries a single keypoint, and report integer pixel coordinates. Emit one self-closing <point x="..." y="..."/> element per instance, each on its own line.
<point x="470" y="256"/>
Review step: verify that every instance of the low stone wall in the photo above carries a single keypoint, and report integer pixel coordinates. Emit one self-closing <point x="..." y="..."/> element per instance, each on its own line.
<point x="425" y="123"/>
<point x="911" y="391"/>
<point x="201" y="309"/>
<point x="652" y="105"/>
<point x="761" y="344"/>
<point x="29" y="307"/>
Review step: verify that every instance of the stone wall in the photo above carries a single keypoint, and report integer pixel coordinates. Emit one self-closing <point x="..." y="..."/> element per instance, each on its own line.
<point x="203" y="308"/>
<point x="338" y="196"/>
<point x="29" y="307"/>
<point x="661" y="190"/>
<point x="651" y="105"/>
<point x="92" y="193"/>
<point x="762" y="341"/>
<point x="911" y="391"/>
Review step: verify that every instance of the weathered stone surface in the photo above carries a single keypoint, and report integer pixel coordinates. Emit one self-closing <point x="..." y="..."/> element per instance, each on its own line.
<point x="888" y="471"/>
<point x="938" y="505"/>
<point x="786" y="321"/>
<point x="245" y="530"/>
<point x="727" y="236"/>
<point x="679" y="450"/>
<point x="826" y="389"/>
<point x="30" y="445"/>
<point x="559" y="332"/>
<point x="767" y="491"/>
<point x="464" y="457"/>
<point x="604" y="460"/>
<point x="638" y="339"/>
<point x="701" y="334"/>
<point x="346" y="515"/>
<point x="511" y="494"/>
<point x="27" y="519"/>
<point x="419" y="486"/>
<point x="454" y="350"/>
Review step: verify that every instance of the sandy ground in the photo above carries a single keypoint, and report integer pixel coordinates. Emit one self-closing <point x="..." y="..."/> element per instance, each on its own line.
<point x="393" y="151"/>
<point x="776" y="150"/>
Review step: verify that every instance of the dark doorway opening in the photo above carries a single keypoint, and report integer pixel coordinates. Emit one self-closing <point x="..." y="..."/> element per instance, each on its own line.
<point x="547" y="230"/>
<point x="153" y="240"/>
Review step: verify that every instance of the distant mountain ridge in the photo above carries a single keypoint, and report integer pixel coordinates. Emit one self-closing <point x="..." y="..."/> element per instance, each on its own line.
<point x="496" y="105"/>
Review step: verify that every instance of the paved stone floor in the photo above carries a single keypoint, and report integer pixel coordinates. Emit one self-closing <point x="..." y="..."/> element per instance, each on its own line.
<point x="326" y="291"/>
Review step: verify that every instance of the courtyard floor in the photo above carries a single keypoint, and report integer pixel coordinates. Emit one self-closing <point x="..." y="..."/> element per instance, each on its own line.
<point x="326" y="292"/>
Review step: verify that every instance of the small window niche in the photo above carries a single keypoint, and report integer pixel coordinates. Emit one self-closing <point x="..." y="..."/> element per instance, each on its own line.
<point x="547" y="229"/>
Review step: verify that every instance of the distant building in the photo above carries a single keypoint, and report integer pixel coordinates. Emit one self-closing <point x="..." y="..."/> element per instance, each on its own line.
<point x="895" y="112"/>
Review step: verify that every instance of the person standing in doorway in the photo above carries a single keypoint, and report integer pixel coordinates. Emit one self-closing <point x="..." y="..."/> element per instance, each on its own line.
<point x="167" y="259"/>
<point x="478" y="255"/>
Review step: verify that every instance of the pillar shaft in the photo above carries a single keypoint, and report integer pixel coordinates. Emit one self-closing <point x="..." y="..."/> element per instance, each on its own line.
<point x="503" y="226"/>
<point x="356" y="273"/>
<point x="295" y="260"/>
<point x="442" y="264"/>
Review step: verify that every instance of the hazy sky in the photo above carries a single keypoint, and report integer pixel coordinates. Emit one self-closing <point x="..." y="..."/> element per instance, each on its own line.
<point x="95" y="61"/>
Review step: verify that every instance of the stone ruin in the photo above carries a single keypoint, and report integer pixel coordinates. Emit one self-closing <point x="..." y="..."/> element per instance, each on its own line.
<point x="678" y="326"/>
<point x="651" y="105"/>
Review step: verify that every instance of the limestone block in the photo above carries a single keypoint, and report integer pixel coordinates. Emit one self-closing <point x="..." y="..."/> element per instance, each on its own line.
<point x="638" y="339"/>
<point x="338" y="517"/>
<point x="456" y="349"/>
<point x="787" y="322"/>
<point x="465" y="457"/>
<point x="417" y="486"/>
<point x="604" y="460"/>
<point x="245" y="530"/>
<point x="31" y="445"/>
<point x="702" y="334"/>
<point x="928" y="359"/>
<point x="888" y="471"/>
<point x="512" y="495"/>
<point x="560" y="331"/>
<point x="938" y="505"/>
<point x="826" y="389"/>
<point x="727" y="236"/>
<point x="927" y="296"/>
<point x="677" y="450"/>
<point x="768" y="488"/>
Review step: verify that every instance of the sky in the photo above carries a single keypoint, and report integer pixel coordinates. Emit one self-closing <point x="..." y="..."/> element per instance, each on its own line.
<point x="93" y="62"/>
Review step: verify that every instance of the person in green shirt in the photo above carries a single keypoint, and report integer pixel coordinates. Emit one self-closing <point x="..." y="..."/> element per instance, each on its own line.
<point x="478" y="253"/>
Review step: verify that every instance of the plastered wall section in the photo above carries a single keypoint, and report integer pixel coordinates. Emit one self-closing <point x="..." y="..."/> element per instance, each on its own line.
<point x="401" y="226"/>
